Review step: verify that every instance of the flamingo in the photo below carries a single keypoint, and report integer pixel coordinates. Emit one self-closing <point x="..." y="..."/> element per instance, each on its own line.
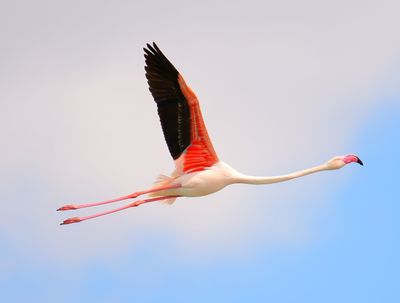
<point x="198" y="170"/>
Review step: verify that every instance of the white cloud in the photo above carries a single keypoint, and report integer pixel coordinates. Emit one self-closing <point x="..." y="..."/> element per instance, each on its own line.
<point x="281" y="85"/>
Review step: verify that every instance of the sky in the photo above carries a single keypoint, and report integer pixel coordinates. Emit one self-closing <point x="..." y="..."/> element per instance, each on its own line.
<point x="283" y="86"/>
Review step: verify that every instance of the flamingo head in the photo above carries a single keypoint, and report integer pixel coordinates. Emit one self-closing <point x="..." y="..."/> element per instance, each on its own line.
<point x="340" y="161"/>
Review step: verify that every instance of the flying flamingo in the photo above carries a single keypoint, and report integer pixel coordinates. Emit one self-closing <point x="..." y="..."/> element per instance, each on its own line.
<point x="198" y="170"/>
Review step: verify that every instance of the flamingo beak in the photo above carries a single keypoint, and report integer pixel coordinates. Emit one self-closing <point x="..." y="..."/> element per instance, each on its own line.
<point x="352" y="158"/>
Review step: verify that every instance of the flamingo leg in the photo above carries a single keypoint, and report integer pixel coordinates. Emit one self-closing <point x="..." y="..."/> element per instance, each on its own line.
<point x="131" y="196"/>
<point x="133" y="204"/>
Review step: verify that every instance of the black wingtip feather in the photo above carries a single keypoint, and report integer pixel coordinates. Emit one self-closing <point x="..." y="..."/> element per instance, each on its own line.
<point x="173" y="108"/>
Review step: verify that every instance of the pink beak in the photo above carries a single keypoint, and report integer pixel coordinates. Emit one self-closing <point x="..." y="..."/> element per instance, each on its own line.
<point x="352" y="158"/>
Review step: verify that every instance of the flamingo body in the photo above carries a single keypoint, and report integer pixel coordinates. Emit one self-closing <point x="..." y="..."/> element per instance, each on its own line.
<point x="202" y="183"/>
<point x="198" y="170"/>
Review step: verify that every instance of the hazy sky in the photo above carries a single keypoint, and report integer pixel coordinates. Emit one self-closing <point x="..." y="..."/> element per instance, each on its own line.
<point x="283" y="86"/>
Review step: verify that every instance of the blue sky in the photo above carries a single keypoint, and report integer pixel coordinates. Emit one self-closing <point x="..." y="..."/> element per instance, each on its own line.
<point x="355" y="259"/>
<point x="283" y="86"/>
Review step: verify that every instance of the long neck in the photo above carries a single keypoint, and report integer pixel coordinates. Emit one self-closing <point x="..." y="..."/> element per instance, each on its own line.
<point x="275" y="179"/>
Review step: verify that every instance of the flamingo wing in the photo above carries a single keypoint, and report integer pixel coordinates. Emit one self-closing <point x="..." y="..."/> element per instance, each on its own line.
<point x="180" y="115"/>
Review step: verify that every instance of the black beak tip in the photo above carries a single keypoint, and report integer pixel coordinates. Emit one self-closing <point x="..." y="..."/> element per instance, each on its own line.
<point x="359" y="161"/>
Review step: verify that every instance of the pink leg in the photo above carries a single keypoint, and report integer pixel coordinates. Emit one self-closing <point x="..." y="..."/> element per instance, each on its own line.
<point x="131" y="196"/>
<point x="134" y="204"/>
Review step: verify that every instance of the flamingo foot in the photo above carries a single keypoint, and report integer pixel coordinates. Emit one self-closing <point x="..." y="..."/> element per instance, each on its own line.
<point x="68" y="207"/>
<point x="71" y="220"/>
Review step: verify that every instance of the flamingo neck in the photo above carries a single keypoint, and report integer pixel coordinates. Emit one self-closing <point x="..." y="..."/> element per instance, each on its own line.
<point x="275" y="179"/>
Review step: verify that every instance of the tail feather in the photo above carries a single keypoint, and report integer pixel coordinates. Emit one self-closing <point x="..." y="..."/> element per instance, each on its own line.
<point x="168" y="201"/>
<point x="162" y="180"/>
